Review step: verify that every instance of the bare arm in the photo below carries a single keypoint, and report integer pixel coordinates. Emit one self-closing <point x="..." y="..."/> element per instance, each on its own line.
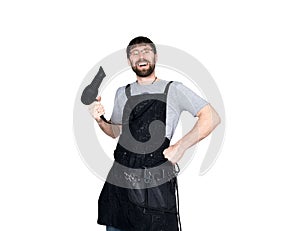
<point x="112" y="130"/>
<point x="96" y="110"/>
<point x="207" y="121"/>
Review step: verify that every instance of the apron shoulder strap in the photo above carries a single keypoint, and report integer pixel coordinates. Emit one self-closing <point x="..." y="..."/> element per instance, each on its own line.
<point x="128" y="94"/>
<point x="167" y="87"/>
<point x="127" y="91"/>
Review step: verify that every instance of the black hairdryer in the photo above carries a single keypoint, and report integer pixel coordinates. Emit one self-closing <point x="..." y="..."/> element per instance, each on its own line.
<point x="90" y="92"/>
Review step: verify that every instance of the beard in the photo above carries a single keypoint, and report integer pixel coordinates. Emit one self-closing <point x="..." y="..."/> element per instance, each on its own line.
<point x="144" y="72"/>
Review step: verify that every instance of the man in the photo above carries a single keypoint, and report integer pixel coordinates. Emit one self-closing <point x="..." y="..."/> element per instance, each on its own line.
<point x="139" y="194"/>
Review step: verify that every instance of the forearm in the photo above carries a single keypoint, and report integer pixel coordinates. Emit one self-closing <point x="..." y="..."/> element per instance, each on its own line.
<point x="207" y="121"/>
<point x="109" y="129"/>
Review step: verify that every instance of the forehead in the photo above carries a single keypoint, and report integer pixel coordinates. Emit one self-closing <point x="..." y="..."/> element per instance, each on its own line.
<point x="140" y="46"/>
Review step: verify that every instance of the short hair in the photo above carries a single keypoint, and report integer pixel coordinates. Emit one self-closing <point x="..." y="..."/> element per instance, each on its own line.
<point x="140" y="40"/>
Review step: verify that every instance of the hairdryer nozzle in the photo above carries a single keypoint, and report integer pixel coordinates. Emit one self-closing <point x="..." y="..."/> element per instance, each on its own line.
<point x="90" y="92"/>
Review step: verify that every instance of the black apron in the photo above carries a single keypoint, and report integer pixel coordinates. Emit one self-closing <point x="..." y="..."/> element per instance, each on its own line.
<point x="143" y="199"/>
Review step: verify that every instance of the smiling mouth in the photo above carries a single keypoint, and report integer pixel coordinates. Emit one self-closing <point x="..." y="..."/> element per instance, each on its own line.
<point x="142" y="64"/>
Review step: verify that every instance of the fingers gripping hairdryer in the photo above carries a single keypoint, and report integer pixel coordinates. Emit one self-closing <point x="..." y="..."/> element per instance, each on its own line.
<point x="90" y="92"/>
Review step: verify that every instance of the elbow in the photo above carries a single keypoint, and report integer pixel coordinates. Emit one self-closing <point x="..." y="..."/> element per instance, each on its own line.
<point x="114" y="136"/>
<point x="115" y="132"/>
<point x="215" y="122"/>
<point x="211" y="125"/>
<point x="218" y="120"/>
<point x="215" y="119"/>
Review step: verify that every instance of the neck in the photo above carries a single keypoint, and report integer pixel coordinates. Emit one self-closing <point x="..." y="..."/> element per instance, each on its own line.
<point x="146" y="80"/>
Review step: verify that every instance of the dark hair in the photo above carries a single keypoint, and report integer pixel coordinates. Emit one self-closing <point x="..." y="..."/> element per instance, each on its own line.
<point x="140" y="40"/>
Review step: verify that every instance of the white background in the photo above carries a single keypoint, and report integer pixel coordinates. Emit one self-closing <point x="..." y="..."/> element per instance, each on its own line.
<point x="251" y="48"/>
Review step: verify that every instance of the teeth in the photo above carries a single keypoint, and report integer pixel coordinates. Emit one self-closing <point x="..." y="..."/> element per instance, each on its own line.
<point x="142" y="64"/>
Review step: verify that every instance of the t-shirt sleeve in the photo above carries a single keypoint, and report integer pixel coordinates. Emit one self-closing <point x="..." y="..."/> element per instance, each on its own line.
<point x="116" y="117"/>
<point x="188" y="100"/>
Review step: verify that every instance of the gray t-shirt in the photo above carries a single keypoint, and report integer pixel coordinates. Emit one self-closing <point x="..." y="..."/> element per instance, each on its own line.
<point x="179" y="99"/>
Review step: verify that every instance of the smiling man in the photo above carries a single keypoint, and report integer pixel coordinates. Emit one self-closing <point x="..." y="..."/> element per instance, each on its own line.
<point x="140" y="191"/>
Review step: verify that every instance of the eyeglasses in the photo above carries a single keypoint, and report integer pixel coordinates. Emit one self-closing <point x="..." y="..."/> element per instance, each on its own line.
<point x="136" y="53"/>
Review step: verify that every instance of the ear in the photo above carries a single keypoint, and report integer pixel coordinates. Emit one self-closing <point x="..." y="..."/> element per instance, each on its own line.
<point x="128" y="61"/>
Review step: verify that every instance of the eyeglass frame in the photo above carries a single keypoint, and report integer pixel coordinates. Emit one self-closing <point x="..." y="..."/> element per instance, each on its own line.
<point x="131" y="47"/>
<point x="143" y="51"/>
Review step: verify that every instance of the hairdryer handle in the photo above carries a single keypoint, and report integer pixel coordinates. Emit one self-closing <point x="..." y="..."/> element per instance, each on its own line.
<point x="105" y="120"/>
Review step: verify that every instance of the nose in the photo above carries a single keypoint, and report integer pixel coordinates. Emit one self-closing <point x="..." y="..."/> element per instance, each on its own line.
<point x="141" y="54"/>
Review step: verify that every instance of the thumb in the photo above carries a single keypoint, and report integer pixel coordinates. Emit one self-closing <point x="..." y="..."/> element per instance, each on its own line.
<point x="98" y="98"/>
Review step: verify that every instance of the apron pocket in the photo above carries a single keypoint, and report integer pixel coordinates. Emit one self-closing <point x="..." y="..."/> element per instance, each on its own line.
<point x="161" y="197"/>
<point x="137" y="196"/>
